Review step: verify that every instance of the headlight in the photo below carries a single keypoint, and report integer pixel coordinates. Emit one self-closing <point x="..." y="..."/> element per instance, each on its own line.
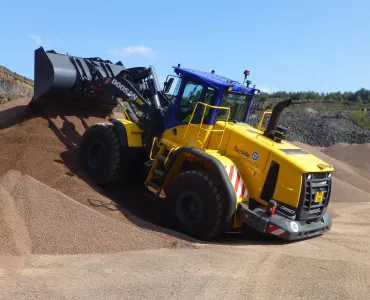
<point x="294" y="226"/>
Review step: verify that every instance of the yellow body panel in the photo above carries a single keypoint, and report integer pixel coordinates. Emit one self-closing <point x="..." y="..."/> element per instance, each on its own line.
<point x="133" y="133"/>
<point x="304" y="163"/>
<point x="288" y="185"/>
<point x="187" y="135"/>
<point x="198" y="135"/>
<point x="251" y="153"/>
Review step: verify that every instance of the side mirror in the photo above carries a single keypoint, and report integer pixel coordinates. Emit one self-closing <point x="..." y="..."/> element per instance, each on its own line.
<point x="167" y="85"/>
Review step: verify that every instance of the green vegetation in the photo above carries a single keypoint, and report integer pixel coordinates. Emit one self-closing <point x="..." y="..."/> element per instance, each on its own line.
<point x="361" y="96"/>
<point x="351" y="103"/>
<point x="16" y="76"/>
<point x="360" y="118"/>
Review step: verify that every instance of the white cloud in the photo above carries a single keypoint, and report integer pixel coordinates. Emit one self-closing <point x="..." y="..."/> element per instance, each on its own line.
<point x="267" y="89"/>
<point x="38" y="40"/>
<point x="139" y="49"/>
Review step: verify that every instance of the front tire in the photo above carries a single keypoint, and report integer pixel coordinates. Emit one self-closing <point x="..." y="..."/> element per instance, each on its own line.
<point x="198" y="208"/>
<point x="100" y="153"/>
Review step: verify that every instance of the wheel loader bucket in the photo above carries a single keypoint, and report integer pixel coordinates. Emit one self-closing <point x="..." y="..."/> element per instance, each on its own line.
<point x="62" y="79"/>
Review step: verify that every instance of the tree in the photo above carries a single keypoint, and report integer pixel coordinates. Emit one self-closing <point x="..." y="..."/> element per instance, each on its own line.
<point x="359" y="99"/>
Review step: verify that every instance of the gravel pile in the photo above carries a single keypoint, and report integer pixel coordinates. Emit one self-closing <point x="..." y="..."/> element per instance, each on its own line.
<point x="345" y="153"/>
<point x="37" y="219"/>
<point x="320" y="129"/>
<point x="48" y="206"/>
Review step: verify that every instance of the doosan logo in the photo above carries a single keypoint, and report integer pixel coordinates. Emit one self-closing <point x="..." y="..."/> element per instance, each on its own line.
<point x="121" y="87"/>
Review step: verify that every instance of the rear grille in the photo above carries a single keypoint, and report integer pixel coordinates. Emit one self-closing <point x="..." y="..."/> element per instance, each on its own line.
<point x="313" y="183"/>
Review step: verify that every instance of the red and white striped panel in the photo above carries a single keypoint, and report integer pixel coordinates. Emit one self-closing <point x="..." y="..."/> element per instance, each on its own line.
<point x="276" y="230"/>
<point x="237" y="181"/>
<point x="107" y="80"/>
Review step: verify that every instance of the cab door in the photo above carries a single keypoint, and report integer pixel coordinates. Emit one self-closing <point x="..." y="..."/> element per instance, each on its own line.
<point x="178" y="128"/>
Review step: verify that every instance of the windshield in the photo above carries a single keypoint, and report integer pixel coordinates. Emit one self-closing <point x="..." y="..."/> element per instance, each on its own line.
<point x="238" y="104"/>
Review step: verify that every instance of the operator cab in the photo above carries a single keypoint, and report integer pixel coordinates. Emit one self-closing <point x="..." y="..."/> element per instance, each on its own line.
<point x="194" y="86"/>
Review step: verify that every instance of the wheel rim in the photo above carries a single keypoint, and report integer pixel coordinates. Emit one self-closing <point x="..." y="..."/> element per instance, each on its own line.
<point x="95" y="155"/>
<point x="189" y="208"/>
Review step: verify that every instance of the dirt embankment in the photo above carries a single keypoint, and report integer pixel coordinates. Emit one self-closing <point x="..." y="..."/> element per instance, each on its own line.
<point x="13" y="86"/>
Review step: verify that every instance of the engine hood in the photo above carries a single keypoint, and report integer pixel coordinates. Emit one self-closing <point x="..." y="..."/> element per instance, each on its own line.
<point x="243" y="137"/>
<point x="300" y="159"/>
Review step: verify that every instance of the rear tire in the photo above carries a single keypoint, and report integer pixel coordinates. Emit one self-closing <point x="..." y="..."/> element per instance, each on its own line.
<point x="100" y="153"/>
<point x="198" y="208"/>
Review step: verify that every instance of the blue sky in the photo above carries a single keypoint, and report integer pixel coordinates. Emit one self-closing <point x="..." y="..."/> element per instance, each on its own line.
<point x="321" y="45"/>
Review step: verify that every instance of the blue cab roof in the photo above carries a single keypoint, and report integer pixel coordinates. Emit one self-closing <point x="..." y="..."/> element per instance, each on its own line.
<point x="215" y="80"/>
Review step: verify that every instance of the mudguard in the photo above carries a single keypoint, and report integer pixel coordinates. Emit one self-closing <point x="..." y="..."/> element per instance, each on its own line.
<point x="129" y="133"/>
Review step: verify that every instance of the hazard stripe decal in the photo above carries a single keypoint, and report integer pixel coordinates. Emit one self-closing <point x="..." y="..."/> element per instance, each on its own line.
<point x="106" y="80"/>
<point x="236" y="181"/>
<point x="276" y="230"/>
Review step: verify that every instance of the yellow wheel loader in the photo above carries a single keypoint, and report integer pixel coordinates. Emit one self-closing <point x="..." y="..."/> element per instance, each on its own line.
<point x="217" y="173"/>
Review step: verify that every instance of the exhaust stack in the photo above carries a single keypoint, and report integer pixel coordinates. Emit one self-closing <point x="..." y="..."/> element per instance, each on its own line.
<point x="276" y="112"/>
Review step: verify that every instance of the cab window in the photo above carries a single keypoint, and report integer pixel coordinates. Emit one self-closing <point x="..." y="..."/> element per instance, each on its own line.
<point x="191" y="95"/>
<point x="209" y="98"/>
<point x="172" y="94"/>
<point x="238" y="104"/>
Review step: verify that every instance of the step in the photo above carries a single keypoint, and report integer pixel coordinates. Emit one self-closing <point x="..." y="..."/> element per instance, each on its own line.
<point x="161" y="158"/>
<point x="158" y="173"/>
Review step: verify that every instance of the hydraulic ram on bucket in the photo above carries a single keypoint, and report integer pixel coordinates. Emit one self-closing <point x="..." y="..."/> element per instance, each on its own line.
<point x="62" y="79"/>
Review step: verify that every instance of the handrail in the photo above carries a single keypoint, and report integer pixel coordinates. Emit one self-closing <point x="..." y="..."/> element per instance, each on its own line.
<point x="155" y="140"/>
<point x="205" y="105"/>
<point x="169" y="153"/>
<point x="259" y="126"/>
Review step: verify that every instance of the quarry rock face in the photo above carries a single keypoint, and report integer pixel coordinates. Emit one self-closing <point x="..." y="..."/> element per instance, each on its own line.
<point x="13" y="86"/>
<point x="318" y="128"/>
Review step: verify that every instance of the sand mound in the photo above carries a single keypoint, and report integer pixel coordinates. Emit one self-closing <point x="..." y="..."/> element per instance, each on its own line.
<point x="40" y="177"/>
<point x="356" y="155"/>
<point x="39" y="219"/>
